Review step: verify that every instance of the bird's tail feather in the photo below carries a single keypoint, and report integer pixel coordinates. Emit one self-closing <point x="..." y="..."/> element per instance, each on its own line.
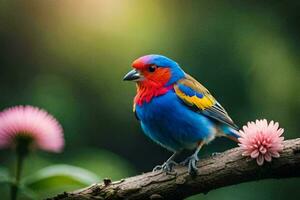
<point x="230" y="133"/>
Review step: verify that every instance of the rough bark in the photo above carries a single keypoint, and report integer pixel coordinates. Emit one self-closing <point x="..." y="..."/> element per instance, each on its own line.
<point x="228" y="168"/>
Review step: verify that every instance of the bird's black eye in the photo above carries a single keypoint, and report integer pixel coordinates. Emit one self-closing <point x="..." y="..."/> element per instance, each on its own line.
<point x="152" y="68"/>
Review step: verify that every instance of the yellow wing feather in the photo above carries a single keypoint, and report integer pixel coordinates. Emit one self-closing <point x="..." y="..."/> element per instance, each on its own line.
<point x="202" y="103"/>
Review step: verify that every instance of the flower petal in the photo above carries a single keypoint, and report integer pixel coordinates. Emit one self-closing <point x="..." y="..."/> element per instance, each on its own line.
<point x="260" y="160"/>
<point x="254" y="153"/>
<point x="268" y="157"/>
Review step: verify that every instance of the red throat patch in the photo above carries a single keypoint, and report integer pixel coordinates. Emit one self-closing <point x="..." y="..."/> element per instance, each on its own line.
<point x="154" y="85"/>
<point x="145" y="94"/>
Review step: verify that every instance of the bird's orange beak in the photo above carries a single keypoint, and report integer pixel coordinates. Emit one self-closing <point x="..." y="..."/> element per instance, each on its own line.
<point x="133" y="75"/>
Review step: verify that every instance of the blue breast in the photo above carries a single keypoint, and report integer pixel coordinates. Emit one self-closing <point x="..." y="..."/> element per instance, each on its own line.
<point x="167" y="121"/>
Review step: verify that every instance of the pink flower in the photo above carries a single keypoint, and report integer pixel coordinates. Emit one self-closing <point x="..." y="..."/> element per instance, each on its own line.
<point x="261" y="141"/>
<point x="42" y="129"/>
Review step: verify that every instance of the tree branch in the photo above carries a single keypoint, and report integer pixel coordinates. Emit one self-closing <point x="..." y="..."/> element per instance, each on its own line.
<point x="228" y="168"/>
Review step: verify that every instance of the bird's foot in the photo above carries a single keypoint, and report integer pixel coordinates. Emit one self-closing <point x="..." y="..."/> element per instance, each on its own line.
<point x="166" y="167"/>
<point x="215" y="154"/>
<point x="191" y="163"/>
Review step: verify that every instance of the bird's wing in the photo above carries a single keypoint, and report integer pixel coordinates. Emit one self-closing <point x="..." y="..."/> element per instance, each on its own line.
<point x="195" y="95"/>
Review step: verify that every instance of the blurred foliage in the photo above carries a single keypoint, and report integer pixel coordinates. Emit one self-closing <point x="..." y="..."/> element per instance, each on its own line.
<point x="44" y="177"/>
<point x="4" y="175"/>
<point x="69" y="57"/>
<point x="56" y="177"/>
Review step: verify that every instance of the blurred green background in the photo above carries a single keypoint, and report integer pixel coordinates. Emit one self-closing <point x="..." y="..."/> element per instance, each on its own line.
<point x="70" y="56"/>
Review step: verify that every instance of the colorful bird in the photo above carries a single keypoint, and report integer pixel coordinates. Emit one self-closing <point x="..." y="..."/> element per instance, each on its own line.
<point x="175" y="110"/>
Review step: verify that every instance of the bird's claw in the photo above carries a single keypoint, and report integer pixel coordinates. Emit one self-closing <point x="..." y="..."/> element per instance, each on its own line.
<point x="191" y="163"/>
<point x="166" y="167"/>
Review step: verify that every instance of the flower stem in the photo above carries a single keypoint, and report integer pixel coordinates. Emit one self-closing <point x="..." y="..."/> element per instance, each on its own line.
<point x="21" y="153"/>
<point x="15" y="184"/>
